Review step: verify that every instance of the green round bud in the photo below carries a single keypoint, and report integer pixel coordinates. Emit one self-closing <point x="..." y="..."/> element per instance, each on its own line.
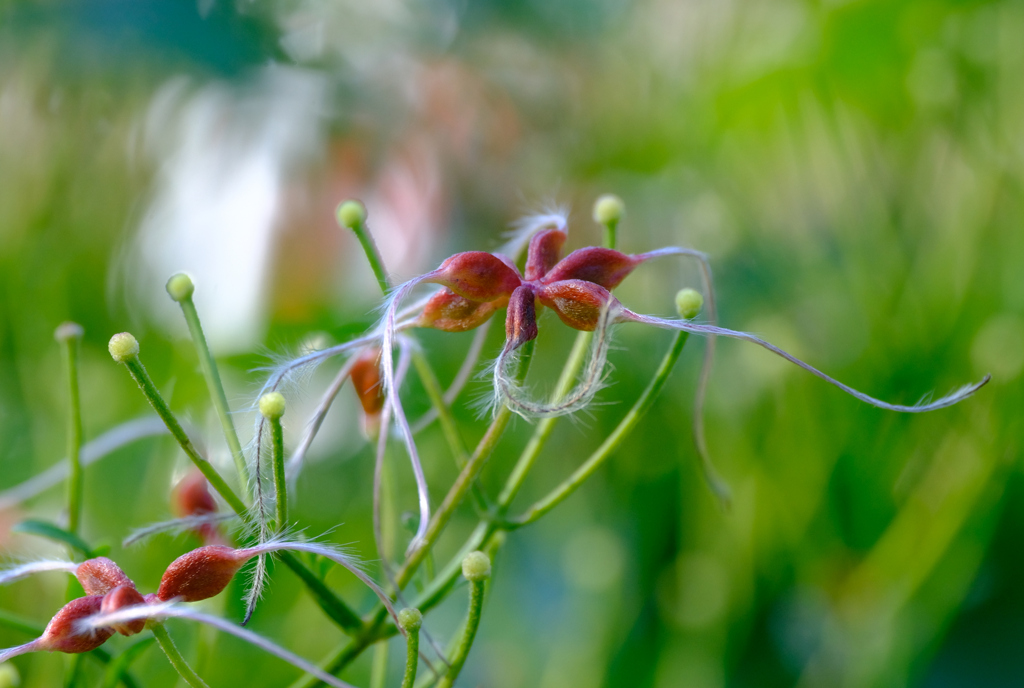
<point x="609" y="209"/>
<point x="410" y="619"/>
<point x="351" y="214"/>
<point x="68" y="330"/>
<point x="476" y="566"/>
<point x="688" y="303"/>
<point x="180" y="287"/>
<point x="272" y="405"/>
<point x="123" y="347"/>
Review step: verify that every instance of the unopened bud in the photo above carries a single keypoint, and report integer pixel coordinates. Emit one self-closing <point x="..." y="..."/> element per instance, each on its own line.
<point x="62" y="633"/>
<point x="544" y="252"/>
<point x="688" y="303"/>
<point x="578" y="303"/>
<point x="602" y="266"/>
<point x="180" y="287"/>
<point x="68" y="330"/>
<point x="476" y="566"/>
<point x="101" y="575"/>
<point x="410" y="619"/>
<point x="191" y="496"/>
<point x="119" y="598"/>
<point x="351" y="214"/>
<point x="366" y="381"/>
<point x="200" y="574"/>
<point x="609" y="209"/>
<point x="521" y="321"/>
<point x="477" y="276"/>
<point x="123" y="347"/>
<point x="272" y="405"/>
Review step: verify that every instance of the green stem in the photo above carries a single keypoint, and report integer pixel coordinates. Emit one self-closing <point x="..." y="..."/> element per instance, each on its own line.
<point x="577" y="356"/>
<point x="444" y="415"/>
<point x="174" y="656"/>
<point x="372" y="256"/>
<point x="277" y="461"/>
<point x="379" y="671"/>
<point x="335" y="608"/>
<point x="476" y="603"/>
<point x="609" y="233"/>
<point x="612" y="442"/>
<point x="412" y="649"/>
<point x="216" y="387"/>
<point x="75" y="479"/>
<point x="145" y="383"/>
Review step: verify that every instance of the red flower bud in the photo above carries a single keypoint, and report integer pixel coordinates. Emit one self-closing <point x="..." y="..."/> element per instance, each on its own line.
<point x="100" y="575"/>
<point x="191" y="496"/>
<point x="577" y="302"/>
<point x="521" y="321"/>
<point x="545" y="249"/>
<point x="449" y="312"/>
<point x="119" y="598"/>
<point x="476" y="275"/>
<point x="365" y="376"/>
<point x="62" y="634"/>
<point x="200" y="574"/>
<point x="602" y="266"/>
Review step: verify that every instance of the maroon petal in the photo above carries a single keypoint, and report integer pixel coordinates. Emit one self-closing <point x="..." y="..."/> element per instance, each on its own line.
<point x="577" y="302"/>
<point x="62" y="634"/>
<point x="602" y="266"/>
<point x="119" y="598"/>
<point x="476" y="275"/>
<point x="449" y="312"/>
<point x="544" y="252"/>
<point x="101" y="575"/>
<point x="521" y="321"/>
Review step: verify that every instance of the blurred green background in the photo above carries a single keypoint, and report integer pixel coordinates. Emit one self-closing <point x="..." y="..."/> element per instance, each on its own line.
<point x="854" y="169"/>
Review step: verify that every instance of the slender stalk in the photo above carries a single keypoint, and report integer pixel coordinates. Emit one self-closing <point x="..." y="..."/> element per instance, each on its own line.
<point x="351" y="214"/>
<point x="152" y="394"/>
<point x="69" y="335"/>
<point x="477" y="569"/>
<point x="272" y="407"/>
<point x="180" y="288"/>
<point x="411" y="659"/>
<point x="613" y="441"/>
<point x="379" y="670"/>
<point x="174" y="656"/>
<point x="332" y="605"/>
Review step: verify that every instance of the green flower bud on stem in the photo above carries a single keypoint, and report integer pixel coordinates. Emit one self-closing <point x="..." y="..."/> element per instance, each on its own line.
<point x="608" y="211"/>
<point x="688" y="303"/>
<point x="476" y="567"/>
<point x="351" y="214"/>
<point x="123" y="347"/>
<point x="272" y="405"/>
<point x="68" y="330"/>
<point x="180" y="287"/>
<point x="410" y="619"/>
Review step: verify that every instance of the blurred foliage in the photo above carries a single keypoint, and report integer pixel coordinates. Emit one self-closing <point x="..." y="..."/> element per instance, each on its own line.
<point x="854" y="170"/>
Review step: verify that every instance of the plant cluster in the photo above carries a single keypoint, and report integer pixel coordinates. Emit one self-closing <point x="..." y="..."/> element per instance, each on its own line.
<point x="473" y="287"/>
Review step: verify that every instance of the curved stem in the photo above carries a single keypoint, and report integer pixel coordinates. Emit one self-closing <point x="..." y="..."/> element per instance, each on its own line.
<point x="213" y="382"/>
<point x="476" y="603"/>
<point x="175" y="657"/>
<point x="372" y="256"/>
